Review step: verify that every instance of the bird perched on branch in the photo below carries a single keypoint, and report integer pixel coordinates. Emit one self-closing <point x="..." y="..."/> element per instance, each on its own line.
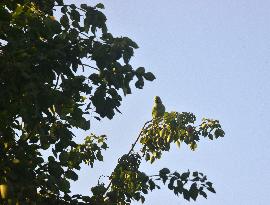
<point x="158" y="108"/>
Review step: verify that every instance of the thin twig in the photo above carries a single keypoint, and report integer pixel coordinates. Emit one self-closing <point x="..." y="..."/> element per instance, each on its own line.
<point x="57" y="80"/>
<point x="69" y="5"/>
<point x="133" y="145"/>
<point x="84" y="34"/>
<point x="90" y="66"/>
<point x="131" y="149"/>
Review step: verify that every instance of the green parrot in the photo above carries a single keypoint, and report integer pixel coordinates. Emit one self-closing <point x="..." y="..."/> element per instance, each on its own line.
<point x="158" y="108"/>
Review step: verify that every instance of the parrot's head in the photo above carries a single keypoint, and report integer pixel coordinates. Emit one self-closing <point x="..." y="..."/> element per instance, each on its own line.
<point x="157" y="99"/>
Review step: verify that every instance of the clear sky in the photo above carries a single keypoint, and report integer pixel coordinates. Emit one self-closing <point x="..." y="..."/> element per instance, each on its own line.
<point x="210" y="57"/>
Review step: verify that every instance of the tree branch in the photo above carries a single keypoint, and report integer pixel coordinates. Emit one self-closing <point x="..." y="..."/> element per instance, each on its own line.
<point x="133" y="145"/>
<point x="131" y="149"/>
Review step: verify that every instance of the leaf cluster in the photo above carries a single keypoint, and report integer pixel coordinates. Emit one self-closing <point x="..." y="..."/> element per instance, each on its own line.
<point x="178" y="128"/>
<point x="47" y="90"/>
<point x="128" y="183"/>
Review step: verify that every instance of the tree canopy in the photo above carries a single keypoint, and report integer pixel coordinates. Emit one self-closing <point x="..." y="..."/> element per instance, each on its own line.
<point x="54" y="73"/>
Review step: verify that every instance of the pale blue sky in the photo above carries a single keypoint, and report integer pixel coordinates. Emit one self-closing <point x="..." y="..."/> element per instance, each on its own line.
<point x="210" y="57"/>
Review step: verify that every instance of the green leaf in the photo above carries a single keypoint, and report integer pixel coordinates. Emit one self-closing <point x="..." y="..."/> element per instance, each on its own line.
<point x="170" y="185"/>
<point x="100" y="6"/>
<point x="73" y="6"/>
<point x="164" y="171"/>
<point x="75" y="15"/>
<point x="128" y="53"/>
<point x="185" y="175"/>
<point x="71" y="175"/>
<point x="152" y="185"/>
<point x="144" y="191"/>
<point x="140" y="70"/>
<point x="193" y="191"/>
<point x="64" y="9"/>
<point x="18" y="11"/>
<point x="177" y="174"/>
<point x="149" y="76"/>
<point x="211" y="189"/>
<point x="193" y="146"/>
<point x="186" y="194"/>
<point x="139" y="83"/>
<point x="99" y="156"/>
<point x="178" y="143"/>
<point x="142" y="199"/>
<point x="203" y="194"/>
<point x="195" y="174"/>
<point x="64" y="21"/>
<point x="84" y="6"/>
<point x="64" y="185"/>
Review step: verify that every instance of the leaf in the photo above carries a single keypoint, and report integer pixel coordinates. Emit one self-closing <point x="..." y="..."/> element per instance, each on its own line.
<point x="211" y="189"/>
<point x="64" y="21"/>
<point x="18" y="11"/>
<point x="64" y="185"/>
<point x="177" y="174"/>
<point x="139" y="84"/>
<point x="152" y="159"/>
<point x="84" y="6"/>
<point x="99" y="156"/>
<point x="137" y="196"/>
<point x="149" y="76"/>
<point x="185" y="175"/>
<point x="142" y="199"/>
<point x="144" y="191"/>
<point x="177" y="143"/>
<point x="180" y="184"/>
<point x="193" y="191"/>
<point x="63" y="157"/>
<point x="195" y="174"/>
<point x="203" y="194"/>
<point x="98" y="118"/>
<point x="193" y="146"/>
<point x="75" y="15"/>
<point x="73" y="6"/>
<point x="170" y="185"/>
<point x="152" y="185"/>
<point x="100" y="6"/>
<point x="186" y="194"/>
<point x="164" y="171"/>
<point x="71" y="175"/>
<point x="128" y="53"/>
<point x="64" y="9"/>
<point x="140" y="70"/>
<point x="147" y="156"/>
